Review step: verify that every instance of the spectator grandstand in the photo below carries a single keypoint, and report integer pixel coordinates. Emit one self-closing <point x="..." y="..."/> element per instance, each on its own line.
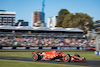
<point x="43" y="36"/>
<point x="26" y="31"/>
<point x="33" y="41"/>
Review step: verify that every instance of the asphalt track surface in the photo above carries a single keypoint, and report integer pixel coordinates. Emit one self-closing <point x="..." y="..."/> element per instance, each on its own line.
<point x="90" y="63"/>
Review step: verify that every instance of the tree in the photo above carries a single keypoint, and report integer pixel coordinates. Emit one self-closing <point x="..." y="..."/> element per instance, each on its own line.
<point x="68" y="20"/>
<point x="84" y="21"/>
<point x="61" y="17"/>
<point x="79" y="20"/>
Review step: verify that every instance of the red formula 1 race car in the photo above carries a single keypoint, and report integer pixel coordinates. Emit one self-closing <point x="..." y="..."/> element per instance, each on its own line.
<point x="57" y="56"/>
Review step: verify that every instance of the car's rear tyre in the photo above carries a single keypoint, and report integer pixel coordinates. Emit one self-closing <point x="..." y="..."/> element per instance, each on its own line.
<point x="35" y="57"/>
<point x="66" y="58"/>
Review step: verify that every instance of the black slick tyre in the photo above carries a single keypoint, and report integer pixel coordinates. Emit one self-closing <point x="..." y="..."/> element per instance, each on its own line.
<point x="35" y="57"/>
<point x="66" y="58"/>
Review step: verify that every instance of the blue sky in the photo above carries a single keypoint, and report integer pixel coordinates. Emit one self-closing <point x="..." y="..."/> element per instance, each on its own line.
<point x="24" y="8"/>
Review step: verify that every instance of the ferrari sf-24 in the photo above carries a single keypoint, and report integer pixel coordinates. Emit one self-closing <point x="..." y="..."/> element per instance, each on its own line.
<point x="57" y="56"/>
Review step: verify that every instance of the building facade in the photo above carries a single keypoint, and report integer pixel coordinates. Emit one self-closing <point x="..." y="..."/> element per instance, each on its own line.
<point x="7" y="18"/>
<point x="21" y="23"/>
<point x="97" y="25"/>
<point x="96" y="29"/>
<point x="37" y="19"/>
<point x="52" y="21"/>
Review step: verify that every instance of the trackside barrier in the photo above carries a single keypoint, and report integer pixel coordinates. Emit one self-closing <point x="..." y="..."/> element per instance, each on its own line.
<point x="7" y="47"/>
<point x="60" y="47"/>
<point x="82" y="48"/>
<point x="20" y="47"/>
<point x="67" y="48"/>
<point x="97" y="52"/>
<point x="46" y="47"/>
<point x="34" y="48"/>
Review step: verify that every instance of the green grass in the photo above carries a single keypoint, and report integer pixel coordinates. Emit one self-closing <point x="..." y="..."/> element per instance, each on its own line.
<point x="87" y="55"/>
<point x="10" y="63"/>
<point x="16" y="54"/>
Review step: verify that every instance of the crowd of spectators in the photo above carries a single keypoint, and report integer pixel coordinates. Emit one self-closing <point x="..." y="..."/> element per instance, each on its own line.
<point x="33" y="41"/>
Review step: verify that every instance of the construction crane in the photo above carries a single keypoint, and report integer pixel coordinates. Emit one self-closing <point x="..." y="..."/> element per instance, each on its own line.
<point x="42" y="13"/>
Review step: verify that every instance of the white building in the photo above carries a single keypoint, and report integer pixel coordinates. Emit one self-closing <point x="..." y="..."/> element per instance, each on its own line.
<point x="52" y="21"/>
<point x="7" y="18"/>
<point x="97" y="25"/>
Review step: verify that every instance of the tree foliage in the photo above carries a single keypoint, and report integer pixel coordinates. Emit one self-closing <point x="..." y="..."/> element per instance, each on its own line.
<point x="61" y="17"/>
<point x="77" y="20"/>
<point x="68" y="20"/>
